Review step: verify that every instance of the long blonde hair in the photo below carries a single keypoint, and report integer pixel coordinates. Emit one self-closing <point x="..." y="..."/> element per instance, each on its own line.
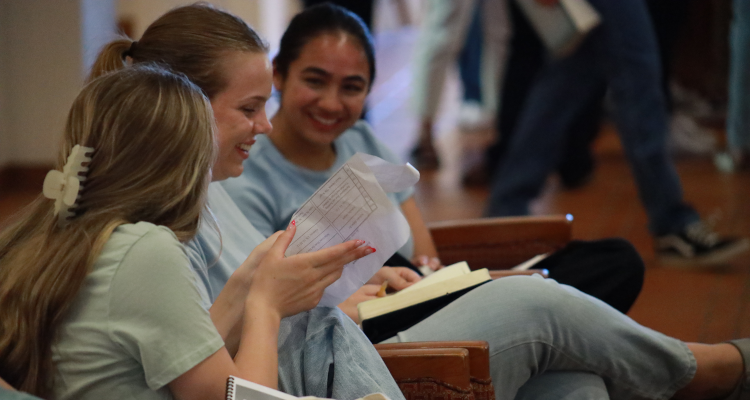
<point x="192" y="40"/>
<point x="152" y="132"/>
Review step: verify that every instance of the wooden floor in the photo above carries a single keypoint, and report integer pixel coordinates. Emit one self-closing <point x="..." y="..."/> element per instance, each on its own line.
<point x="692" y="305"/>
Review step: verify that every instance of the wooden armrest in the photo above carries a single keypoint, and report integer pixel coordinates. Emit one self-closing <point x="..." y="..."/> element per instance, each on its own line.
<point x="479" y="353"/>
<point x="499" y="243"/>
<point x="447" y="365"/>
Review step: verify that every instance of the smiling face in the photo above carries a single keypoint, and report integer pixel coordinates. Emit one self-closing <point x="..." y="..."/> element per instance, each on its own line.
<point x="240" y="110"/>
<point x="325" y="89"/>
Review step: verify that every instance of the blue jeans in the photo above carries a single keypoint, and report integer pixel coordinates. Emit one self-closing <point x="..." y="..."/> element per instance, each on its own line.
<point x="551" y="341"/>
<point x="622" y="54"/>
<point x="470" y="58"/>
<point x="738" y="118"/>
<point x="323" y="353"/>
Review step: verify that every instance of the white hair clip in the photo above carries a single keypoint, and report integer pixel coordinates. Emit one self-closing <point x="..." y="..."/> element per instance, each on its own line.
<point x="63" y="187"/>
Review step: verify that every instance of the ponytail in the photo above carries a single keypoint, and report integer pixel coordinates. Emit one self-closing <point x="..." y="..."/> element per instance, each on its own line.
<point x="190" y="40"/>
<point x="111" y="58"/>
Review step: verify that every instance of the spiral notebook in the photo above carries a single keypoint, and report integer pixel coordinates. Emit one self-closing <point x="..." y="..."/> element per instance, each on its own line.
<point x="240" y="389"/>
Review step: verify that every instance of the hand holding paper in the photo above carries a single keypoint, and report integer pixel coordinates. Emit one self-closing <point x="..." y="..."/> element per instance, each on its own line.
<point x="352" y="205"/>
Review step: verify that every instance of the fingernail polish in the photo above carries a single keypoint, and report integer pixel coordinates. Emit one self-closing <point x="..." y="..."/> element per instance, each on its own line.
<point x="291" y="224"/>
<point x="372" y="249"/>
<point x="294" y="222"/>
<point x="360" y="242"/>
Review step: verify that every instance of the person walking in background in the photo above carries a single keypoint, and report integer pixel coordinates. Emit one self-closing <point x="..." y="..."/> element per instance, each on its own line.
<point x="472" y="115"/>
<point x="737" y="155"/>
<point x="622" y="53"/>
<point x="441" y="39"/>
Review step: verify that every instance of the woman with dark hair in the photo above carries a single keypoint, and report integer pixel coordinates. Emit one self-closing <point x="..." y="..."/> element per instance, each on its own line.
<point x="538" y="330"/>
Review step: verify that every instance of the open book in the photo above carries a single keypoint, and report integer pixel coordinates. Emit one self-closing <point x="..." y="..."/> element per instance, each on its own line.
<point x="382" y="318"/>
<point x="563" y="26"/>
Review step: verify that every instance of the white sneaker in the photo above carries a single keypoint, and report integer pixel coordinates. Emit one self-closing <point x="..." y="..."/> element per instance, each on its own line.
<point x="473" y="117"/>
<point x="731" y="161"/>
<point x="687" y="137"/>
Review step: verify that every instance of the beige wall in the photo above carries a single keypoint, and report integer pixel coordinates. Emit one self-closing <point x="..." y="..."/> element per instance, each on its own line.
<point x="4" y="138"/>
<point x="46" y="47"/>
<point x="42" y="69"/>
<point x="268" y="17"/>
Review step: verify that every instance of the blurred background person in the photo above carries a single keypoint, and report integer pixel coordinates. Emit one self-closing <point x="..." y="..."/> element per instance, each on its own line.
<point x="737" y="154"/>
<point x="443" y="33"/>
<point x="621" y="53"/>
<point x="526" y="58"/>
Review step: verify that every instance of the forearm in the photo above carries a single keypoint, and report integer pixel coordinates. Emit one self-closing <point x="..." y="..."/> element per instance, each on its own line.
<point x="423" y="244"/>
<point x="227" y="313"/>
<point x="257" y="357"/>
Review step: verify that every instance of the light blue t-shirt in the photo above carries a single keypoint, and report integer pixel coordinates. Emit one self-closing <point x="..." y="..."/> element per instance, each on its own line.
<point x="137" y="323"/>
<point x="271" y="188"/>
<point x="216" y="256"/>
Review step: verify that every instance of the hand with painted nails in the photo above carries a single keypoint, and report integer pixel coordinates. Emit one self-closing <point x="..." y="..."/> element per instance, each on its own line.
<point x="290" y="285"/>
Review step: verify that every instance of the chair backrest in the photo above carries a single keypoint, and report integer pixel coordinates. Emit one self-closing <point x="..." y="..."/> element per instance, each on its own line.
<point x="499" y="243"/>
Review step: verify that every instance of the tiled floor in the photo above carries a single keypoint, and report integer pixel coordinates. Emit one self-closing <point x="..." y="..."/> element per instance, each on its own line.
<point x="692" y="305"/>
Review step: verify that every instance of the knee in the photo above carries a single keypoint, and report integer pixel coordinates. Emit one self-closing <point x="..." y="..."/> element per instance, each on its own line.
<point x="527" y="295"/>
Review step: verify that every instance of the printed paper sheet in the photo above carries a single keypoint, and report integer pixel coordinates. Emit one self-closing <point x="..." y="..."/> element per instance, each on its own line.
<point x="352" y="204"/>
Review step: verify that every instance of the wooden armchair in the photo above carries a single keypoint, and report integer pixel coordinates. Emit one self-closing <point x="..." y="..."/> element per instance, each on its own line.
<point x="500" y="243"/>
<point x="435" y="370"/>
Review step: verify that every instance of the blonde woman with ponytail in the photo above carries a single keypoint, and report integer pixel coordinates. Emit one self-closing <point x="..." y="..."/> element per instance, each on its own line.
<point x="97" y="298"/>
<point x="250" y="290"/>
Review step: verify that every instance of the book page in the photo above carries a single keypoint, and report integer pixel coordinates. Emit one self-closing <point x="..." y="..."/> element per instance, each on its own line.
<point x="352" y="204"/>
<point x="445" y="273"/>
<point x="383" y="305"/>
<point x="526" y="265"/>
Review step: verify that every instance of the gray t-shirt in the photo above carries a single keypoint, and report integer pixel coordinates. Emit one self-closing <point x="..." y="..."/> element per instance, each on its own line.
<point x="138" y="322"/>
<point x="271" y="188"/>
<point x="215" y="256"/>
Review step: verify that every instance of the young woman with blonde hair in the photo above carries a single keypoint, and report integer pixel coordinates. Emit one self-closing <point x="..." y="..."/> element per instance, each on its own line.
<point x="98" y="299"/>
<point x="319" y="352"/>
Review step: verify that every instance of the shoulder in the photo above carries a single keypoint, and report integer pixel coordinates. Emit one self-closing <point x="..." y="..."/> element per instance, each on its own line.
<point x="361" y="138"/>
<point x="142" y="237"/>
<point x="145" y="250"/>
<point x="149" y="238"/>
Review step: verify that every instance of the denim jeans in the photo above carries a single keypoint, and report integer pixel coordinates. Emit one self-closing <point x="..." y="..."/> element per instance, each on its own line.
<point x="622" y="54"/>
<point x="738" y="118"/>
<point x="536" y="326"/>
<point x="470" y="59"/>
<point x="323" y="353"/>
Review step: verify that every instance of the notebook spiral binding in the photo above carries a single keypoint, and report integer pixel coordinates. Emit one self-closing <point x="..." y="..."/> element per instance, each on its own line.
<point x="230" y="388"/>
